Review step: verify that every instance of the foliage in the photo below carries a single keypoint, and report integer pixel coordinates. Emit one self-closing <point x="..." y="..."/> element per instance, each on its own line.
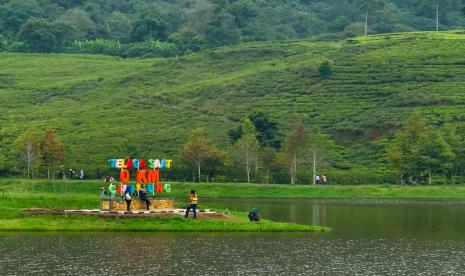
<point x="107" y="107"/>
<point x="246" y="148"/>
<point x="200" y="153"/>
<point x="418" y="148"/>
<point x="326" y="68"/>
<point x="148" y="48"/>
<point x="53" y="152"/>
<point x="295" y="146"/>
<point x="196" y="24"/>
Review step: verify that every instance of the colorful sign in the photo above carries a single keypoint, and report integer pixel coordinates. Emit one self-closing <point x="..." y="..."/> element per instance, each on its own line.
<point x="147" y="172"/>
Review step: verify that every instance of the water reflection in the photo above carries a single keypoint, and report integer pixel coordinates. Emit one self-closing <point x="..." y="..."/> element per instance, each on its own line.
<point x="360" y="219"/>
<point x="368" y="238"/>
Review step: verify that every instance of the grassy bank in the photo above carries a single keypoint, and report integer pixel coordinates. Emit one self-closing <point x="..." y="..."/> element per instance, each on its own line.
<point x="77" y="192"/>
<point x="231" y="223"/>
<point x="16" y="195"/>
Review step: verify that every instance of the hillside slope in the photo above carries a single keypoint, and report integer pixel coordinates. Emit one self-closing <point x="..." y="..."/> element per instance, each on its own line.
<point x="104" y="106"/>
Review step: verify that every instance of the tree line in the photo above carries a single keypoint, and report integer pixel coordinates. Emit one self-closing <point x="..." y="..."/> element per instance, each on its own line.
<point x="258" y="152"/>
<point x="36" y="151"/>
<point x="167" y="28"/>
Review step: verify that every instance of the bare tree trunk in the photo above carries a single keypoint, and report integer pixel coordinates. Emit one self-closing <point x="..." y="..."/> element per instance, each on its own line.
<point x="429" y="177"/>
<point x="248" y="166"/>
<point x="198" y="170"/>
<point x="314" y="165"/>
<point x="437" y="15"/>
<point x="295" y="169"/>
<point x="366" y="22"/>
<point x="268" y="174"/>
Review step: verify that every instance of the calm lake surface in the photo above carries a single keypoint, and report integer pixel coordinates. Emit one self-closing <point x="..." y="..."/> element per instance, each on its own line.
<point x="367" y="238"/>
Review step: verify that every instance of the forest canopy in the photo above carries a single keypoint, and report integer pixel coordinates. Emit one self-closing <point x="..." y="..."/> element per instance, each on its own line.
<point x="171" y="27"/>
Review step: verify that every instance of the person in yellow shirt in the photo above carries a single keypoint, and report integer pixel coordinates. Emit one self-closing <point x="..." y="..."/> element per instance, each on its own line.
<point x="193" y="200"/>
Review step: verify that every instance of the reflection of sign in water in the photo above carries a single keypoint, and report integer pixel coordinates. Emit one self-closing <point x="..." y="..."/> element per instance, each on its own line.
<point x="147" y="173"/>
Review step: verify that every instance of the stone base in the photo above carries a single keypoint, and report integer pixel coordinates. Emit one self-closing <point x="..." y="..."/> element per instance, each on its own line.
<point x="118" y="204"/>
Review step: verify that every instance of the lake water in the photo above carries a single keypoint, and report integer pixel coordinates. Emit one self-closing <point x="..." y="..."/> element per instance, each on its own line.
<point x="367" y="238"/>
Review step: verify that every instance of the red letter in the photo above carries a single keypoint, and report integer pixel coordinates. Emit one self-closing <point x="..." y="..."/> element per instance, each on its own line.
<point x="141" y="177"/>
<point x="124" y="176"/>
<point x="153" y="176"/>
<point x="129" y="164"/>
<point x="159" y="188"/>
<point x="142" y="164"/>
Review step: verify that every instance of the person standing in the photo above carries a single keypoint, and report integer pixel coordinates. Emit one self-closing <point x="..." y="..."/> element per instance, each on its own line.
<point x="128" y="198"/>
<point x="143" y="197"/>
<point x="81" y="174"/>
<point x="193" y="200"/>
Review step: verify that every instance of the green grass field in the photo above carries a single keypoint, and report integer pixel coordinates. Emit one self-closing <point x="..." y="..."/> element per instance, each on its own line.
<point x="104" y="106"/>
<point x="16" y="195"/>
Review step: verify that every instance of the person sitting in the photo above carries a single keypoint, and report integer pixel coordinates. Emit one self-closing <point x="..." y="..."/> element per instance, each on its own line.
<point x="143" y="197"/>
<point x="193" y="199"/>
<point x="254" y="215"/>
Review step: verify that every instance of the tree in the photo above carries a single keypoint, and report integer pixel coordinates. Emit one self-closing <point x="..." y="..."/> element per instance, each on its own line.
<point x="368" y="6"/>
<point x="434" y="154"/>
<point x="199" y="152"/>
<point x="418" y="148"/>
<point x="268" y="158"/>
<point x="246" y="148"/>
<point x="16" y="12"/>
<point x="221" y="30"/>
<point x="53" y="152"/>
<point x="81" y="21"/>
<point x="27" y="148"/>
<point x="42" y="36"/>
<point x="403" y="153"/>
<point x="294" y="148"/>
<point x="454" y="135"/>
<point x="149" y="26"/>
<point x="267" y="130"/>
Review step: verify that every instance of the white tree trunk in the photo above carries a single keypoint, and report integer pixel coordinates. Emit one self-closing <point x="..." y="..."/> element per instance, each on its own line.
<point x="247" y="164"/>
<point x="366" y="22"/>
<point x="437" y="15"/>
<point x="198" y="170"/>
<point x="314" y="165"/>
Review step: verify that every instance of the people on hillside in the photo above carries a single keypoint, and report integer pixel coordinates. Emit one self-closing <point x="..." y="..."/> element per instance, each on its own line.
<point x="254" y="215"/>
<point x="193" y="201"/>
<point x="317" y="179"/>
<point x="103" y="191"/>
<point x="81" y="174"/>
<point x="128" y="198"/>
<point x="71" y="173"/>
<point x="107" y="179"/>
<point x="324" y="179"/>
<point x="143" y="197"/>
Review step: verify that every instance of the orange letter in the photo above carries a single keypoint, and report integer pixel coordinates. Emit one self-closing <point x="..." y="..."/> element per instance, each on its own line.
<point x="141" y="177"/>
<point x="153" y="176"/>
<point x="124" y="176"/>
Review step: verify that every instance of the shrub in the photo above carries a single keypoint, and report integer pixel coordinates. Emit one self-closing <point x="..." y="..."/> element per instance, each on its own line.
<point x="326" y="68"/>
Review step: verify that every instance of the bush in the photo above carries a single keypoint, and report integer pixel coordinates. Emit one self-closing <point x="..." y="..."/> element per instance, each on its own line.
<point x="326" y="68"/>
<point x="149" y="48"/>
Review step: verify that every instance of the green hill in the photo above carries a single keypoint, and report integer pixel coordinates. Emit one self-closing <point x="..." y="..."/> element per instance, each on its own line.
<point x="104" y="106"/>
